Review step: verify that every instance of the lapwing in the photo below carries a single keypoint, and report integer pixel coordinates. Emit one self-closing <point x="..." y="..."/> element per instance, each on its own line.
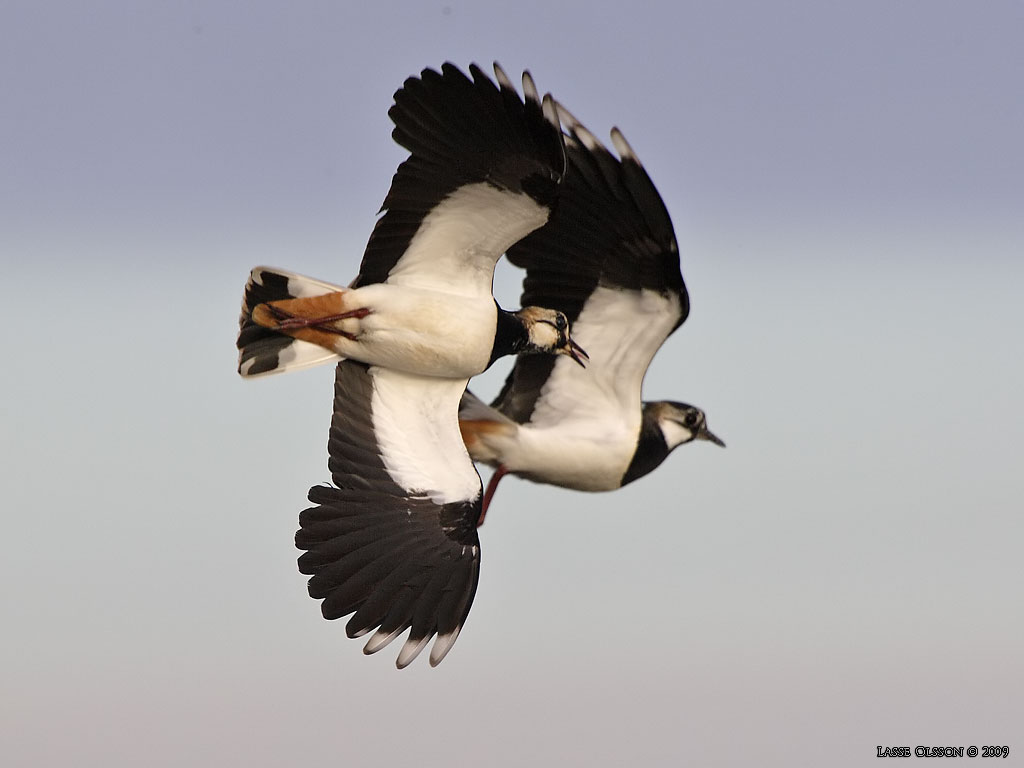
<point x="484" y="171"/>
<point x="393" y="541"/>
<point x="609" y="260"/>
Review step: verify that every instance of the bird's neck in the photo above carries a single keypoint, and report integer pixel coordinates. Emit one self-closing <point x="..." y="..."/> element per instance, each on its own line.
<point x="651" y="449"/>
<point x="510" y="335"/>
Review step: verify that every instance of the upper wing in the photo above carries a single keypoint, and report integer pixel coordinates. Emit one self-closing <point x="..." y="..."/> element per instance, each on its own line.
<point x="484" y="171"/>
<point x="608" y="258"/>
<point x="394" y="540"/>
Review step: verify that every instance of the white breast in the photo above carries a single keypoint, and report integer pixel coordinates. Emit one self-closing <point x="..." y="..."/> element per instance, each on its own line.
<point x="421" y="331"/>
<point x="593" y="460"/>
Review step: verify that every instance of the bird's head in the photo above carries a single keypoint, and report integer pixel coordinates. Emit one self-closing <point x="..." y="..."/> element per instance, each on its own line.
<point x="681" y="423"/>
<point x="547" y="330"/>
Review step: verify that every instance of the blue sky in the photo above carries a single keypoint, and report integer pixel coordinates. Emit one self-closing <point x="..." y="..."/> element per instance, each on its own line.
<point x="846" y="182"/>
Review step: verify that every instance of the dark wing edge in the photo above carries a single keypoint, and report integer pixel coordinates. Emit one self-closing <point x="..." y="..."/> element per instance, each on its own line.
<point x="462" y="131"/>
<point x="395" y="562"/>
<point x="654" y="248"/>
<point x="610" y="228"/>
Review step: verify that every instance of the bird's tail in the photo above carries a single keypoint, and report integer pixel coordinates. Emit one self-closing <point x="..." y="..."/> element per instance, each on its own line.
<point x="472" y="408"/>
<point x="480" y="424"/>
<point x="263" y="350"/>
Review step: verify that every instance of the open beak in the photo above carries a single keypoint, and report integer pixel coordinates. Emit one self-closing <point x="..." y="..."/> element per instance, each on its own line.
<point x="576" y="352"/>
<point x="706" y="434"/>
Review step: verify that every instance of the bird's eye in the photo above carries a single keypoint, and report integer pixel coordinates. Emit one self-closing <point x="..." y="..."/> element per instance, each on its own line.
<point x="561" y="322"/>
<point x="692" y="419"/>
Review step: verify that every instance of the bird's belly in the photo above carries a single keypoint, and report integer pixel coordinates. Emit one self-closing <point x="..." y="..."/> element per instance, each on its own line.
<point x="580" y="463"/>
<point x="423" y="332"/>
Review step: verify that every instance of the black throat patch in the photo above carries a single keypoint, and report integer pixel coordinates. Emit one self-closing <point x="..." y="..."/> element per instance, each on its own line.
<point x="651" y="449"/>
<point x="510" y="335"/>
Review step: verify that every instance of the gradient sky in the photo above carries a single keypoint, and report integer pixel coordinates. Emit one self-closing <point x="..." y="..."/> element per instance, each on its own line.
<point x="847" y="185"/>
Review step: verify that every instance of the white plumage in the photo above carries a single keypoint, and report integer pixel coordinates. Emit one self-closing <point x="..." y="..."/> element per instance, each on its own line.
<point x="393" y="542"/>
<point x="608" y="258"/>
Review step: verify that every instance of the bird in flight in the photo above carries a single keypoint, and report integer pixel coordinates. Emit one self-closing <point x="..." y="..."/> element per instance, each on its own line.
<point x="484" y="171"/>
<point x="393" y="540"/>
<point x="609" y="260"/>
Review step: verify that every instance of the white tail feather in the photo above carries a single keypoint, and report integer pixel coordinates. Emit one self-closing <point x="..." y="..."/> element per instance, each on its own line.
<point x="262" y="352"/>
<point x="297" y="356"/>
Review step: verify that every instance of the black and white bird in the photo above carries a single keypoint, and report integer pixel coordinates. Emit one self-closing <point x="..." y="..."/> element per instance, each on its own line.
<point x="394" y="540"/>
<point x="608" y="259"/>
<point x="484" y="171"/>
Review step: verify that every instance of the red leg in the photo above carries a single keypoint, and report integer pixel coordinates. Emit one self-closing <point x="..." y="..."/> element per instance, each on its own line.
<point x="492" y="485"/>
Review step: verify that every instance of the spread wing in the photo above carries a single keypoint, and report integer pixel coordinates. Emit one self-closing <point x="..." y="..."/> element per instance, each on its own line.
<point x="608" y="258"/>
<point x="483" y="171"/>
<point x="394" y="540"/>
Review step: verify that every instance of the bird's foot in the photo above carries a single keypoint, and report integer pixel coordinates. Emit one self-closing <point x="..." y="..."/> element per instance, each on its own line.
<point x="286" y="321"/>
<point x="492" y="486"/>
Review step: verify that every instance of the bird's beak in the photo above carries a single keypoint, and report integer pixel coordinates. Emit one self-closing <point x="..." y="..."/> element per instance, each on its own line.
<point x="576" y="352"/>
<point x="706" y="434"/>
